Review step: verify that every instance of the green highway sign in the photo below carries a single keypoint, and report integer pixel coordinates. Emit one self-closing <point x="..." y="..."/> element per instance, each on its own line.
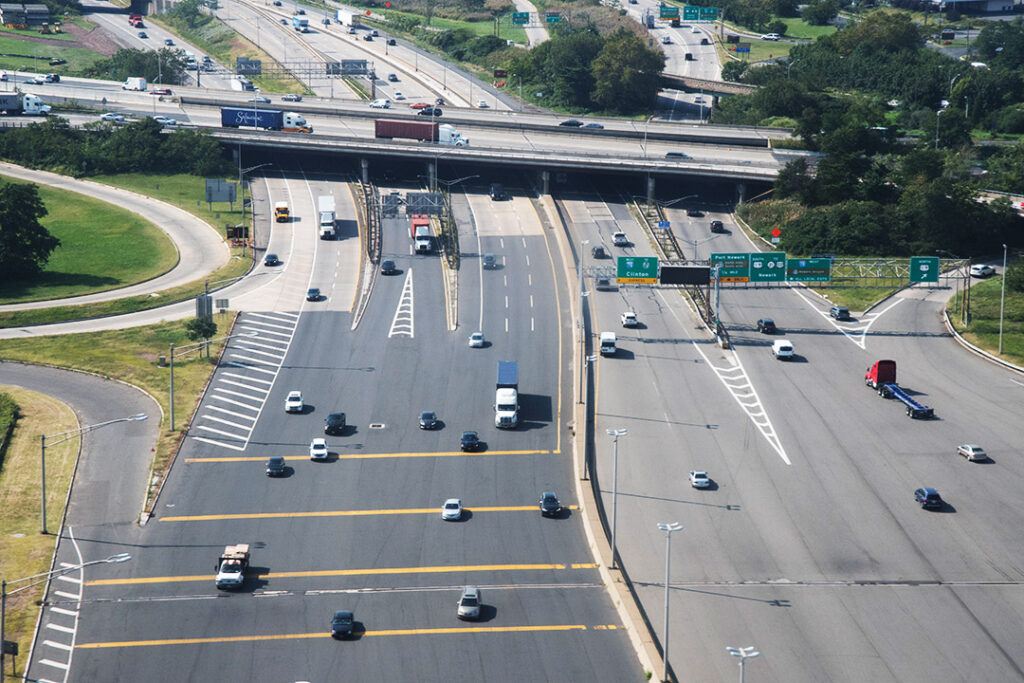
<point x="668" y="12"/>
<point x="639" y="269"/>
<point x="708" y="12"/>
<point x="520" y="17"/>
<point x="735" y="267"/>
<point x="552" y="17"/>
<point x="924" y="268"/>
<point x="768" y="266"/>
<point x="809" y="269"/>
<point x="691" y="12"/>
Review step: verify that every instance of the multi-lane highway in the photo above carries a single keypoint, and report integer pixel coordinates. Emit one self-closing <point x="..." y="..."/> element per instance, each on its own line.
<point x="363" y="531"/>
<point x="809" y="544"/>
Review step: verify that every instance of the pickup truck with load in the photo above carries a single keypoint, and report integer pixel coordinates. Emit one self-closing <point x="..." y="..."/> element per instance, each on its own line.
<point x="300" y="24"/>
<point x="881" y="376"/>
<point x="136" y="20"/>
<point x="424" y="131"/>
<point x="18" y="103"/>
<point x="232" y="565"/>
<point x="325" y="206"/>
<point x="267" y="119"/>
<point x="506" y="395"/>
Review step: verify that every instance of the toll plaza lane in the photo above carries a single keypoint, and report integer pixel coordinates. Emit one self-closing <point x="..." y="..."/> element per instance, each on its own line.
<point x="826" y="554"/>
<point x="352" y="532"/>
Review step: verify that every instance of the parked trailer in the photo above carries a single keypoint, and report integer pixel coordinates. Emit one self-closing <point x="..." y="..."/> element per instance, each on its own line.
<point x="881" y="376"/>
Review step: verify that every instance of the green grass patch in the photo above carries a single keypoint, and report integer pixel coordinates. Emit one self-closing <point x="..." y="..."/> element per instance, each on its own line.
<point x="25" y="552"/>
<point x="25" y="55"/>
<point x="181" y="190"/>
<point x="34" y="33"/>
<point x="983" y="330"/>
<point x="798" y="28"/>
<point x="92" y="257"/>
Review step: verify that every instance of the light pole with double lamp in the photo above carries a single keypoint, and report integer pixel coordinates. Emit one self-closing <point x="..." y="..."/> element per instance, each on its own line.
<point x="40" y="578"/>
<point x="65" y="436"/>
<point x="615" y="434"/>
<point x="744" y="653"/>
<point x="668" y="528"/>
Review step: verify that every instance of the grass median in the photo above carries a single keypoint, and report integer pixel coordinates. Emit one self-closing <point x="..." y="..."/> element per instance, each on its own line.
<point x="24" y="551"/>
<point x="183" y="191"/>
<point x="983" y="330"/>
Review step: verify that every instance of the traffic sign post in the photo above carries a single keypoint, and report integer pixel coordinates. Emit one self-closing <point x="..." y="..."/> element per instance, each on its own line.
<point x="709" y="13"/>
<point x="690" y="13"/>
<point x="768" y="266"/>
<point x="637" y="269"/>
<point x="924" y="269"/>
<point x="809" y="270"/>
<point x="735" y="267"/>
<point x="520" y="17"/>
<point x="668" y="12"/>
<point x="664" y="225"/>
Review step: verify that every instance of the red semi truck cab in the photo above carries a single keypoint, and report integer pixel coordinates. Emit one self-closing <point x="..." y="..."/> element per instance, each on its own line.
<point x="416" y="221"/>
<point x="882" y="372"/>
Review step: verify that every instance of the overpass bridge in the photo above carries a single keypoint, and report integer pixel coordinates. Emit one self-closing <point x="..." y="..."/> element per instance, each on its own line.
<point x="691" y="84"/>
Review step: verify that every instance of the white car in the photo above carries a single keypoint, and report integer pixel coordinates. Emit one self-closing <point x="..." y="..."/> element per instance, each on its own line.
<point x="629" y="319"/>
<point x="293" y="403"/>
<point x="380" y="104"/>
<point x="38" y="80"/>
<point x="699" y="479"/>
<point x="318" y="449"/>
<point x="399" y="96"/>
<point x="452" y="509"/>
<point x="482" y="104"/>
<point x="292" y="97"/>
<point x="476" y="340"/>
<point x="972" y="451"/>
<point x="782" y="349"/>
<point x="982" y="270"/>
<point x="771" y="36"/>
<point x="694" y="30"/>
<point x="165" y="120"/>
<point x="112" y="117"/>
<point x="619" y="239"/>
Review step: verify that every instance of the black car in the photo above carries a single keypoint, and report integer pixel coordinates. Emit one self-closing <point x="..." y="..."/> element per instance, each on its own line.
<point x="275" y="466"/>
<point x="549" y="504"/>
<point x="368" y="38"/>
<point x="439" y="101"/>
<point x="428" y="419"/>
<point x="313" y="294"/>
<point x="604" y="284"/>
<point x="391" y="41"/>
<point x="678" y="155"/>
<point x="694" y="213"/>
<point x="766" y="326"/>
<point x="271" y="260"/>
<point x="593" y="126"/>
<point x="300" y="11"/>
<point x="498" y="193"/>
<point x="393" y="78"/>
<point x="387" y="267"/>
<point x="342" y="623"/>
<point x="334" y="424"/>
<point x="430" y="111"/>
<point x="928" y="498"/>
<point x="571" y="123"/>
<point x="717" y="226"/>
<point x="470" y="441"/>
<point x="598" y="252"/>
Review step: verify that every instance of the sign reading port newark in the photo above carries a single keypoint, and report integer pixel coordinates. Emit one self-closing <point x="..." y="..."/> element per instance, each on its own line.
<point x="637" y="269"/>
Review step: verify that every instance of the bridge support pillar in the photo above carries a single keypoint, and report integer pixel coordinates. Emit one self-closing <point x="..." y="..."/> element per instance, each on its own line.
<point x="545" y="182"/>
<point x="364" y="166"/>
<point x="741" y="192"/>
<point x="650" y="189"/>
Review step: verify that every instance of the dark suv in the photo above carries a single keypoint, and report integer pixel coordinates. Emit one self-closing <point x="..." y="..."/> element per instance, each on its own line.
<point x="766" y="326"/>
<point x="839" y="312"/>
<point x="717" y="226"/>
<point x="334" y="424"/>
<point x="928" y="498"/>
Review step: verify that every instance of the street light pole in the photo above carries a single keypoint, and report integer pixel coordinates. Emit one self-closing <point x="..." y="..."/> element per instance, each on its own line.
<point x="1002" y="303"/>
<point x="744" y="653"/>
<point x="120" y="557"/>
<point x="70" y="434"/>
<point x="668" y="528"/>
<point x="615" y="434"/>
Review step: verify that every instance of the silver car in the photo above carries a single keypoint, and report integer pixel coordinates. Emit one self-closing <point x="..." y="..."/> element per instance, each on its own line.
<point x="469" y="603"/>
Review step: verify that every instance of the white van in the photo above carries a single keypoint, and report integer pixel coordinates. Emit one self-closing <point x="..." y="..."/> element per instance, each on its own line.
<point x="607" y="343"/>
<point x="782" y="349"/>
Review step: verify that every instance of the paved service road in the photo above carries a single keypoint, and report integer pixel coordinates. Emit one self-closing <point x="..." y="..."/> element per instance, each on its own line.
<point x="809" y="544"/>
<point x="362" y="530"/>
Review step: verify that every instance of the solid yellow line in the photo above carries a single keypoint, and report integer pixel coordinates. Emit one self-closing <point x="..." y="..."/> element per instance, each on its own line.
<point x="453" y="631"/>
<point x="349" y="513"/>
<point x="369" y="456"/>
<point x="350" y="572"/>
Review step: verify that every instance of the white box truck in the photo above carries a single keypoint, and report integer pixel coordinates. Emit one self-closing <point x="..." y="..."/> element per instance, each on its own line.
<point x="346" y="18"/>
<point x="506" y="395"/>
<point x="134" y="83"/>
<point x="607" y="343"/>
<point x="325" y="205"/>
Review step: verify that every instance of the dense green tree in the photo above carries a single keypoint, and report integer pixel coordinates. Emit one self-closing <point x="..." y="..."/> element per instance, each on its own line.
<point x="793" y="180"/>
<point x="25" y="245"/>
<point x="163" y="66"/>
<point x="1000" y="44"/>
<point x="852" y="228"/>
<point x="627" y="74"/>
<point x="1006" y="169"/>
<point x="820" y="12"/>
<point x="1015" y="276"/>
<point x="187" y="12"/>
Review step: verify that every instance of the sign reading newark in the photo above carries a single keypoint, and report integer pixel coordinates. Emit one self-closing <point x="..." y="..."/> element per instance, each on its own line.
<point x="735" y="267"/>
<point x="769" y="266"/>
<point x="638" y="269"/>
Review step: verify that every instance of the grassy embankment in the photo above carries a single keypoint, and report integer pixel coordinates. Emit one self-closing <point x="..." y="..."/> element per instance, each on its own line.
<point x="181" y="190"/>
